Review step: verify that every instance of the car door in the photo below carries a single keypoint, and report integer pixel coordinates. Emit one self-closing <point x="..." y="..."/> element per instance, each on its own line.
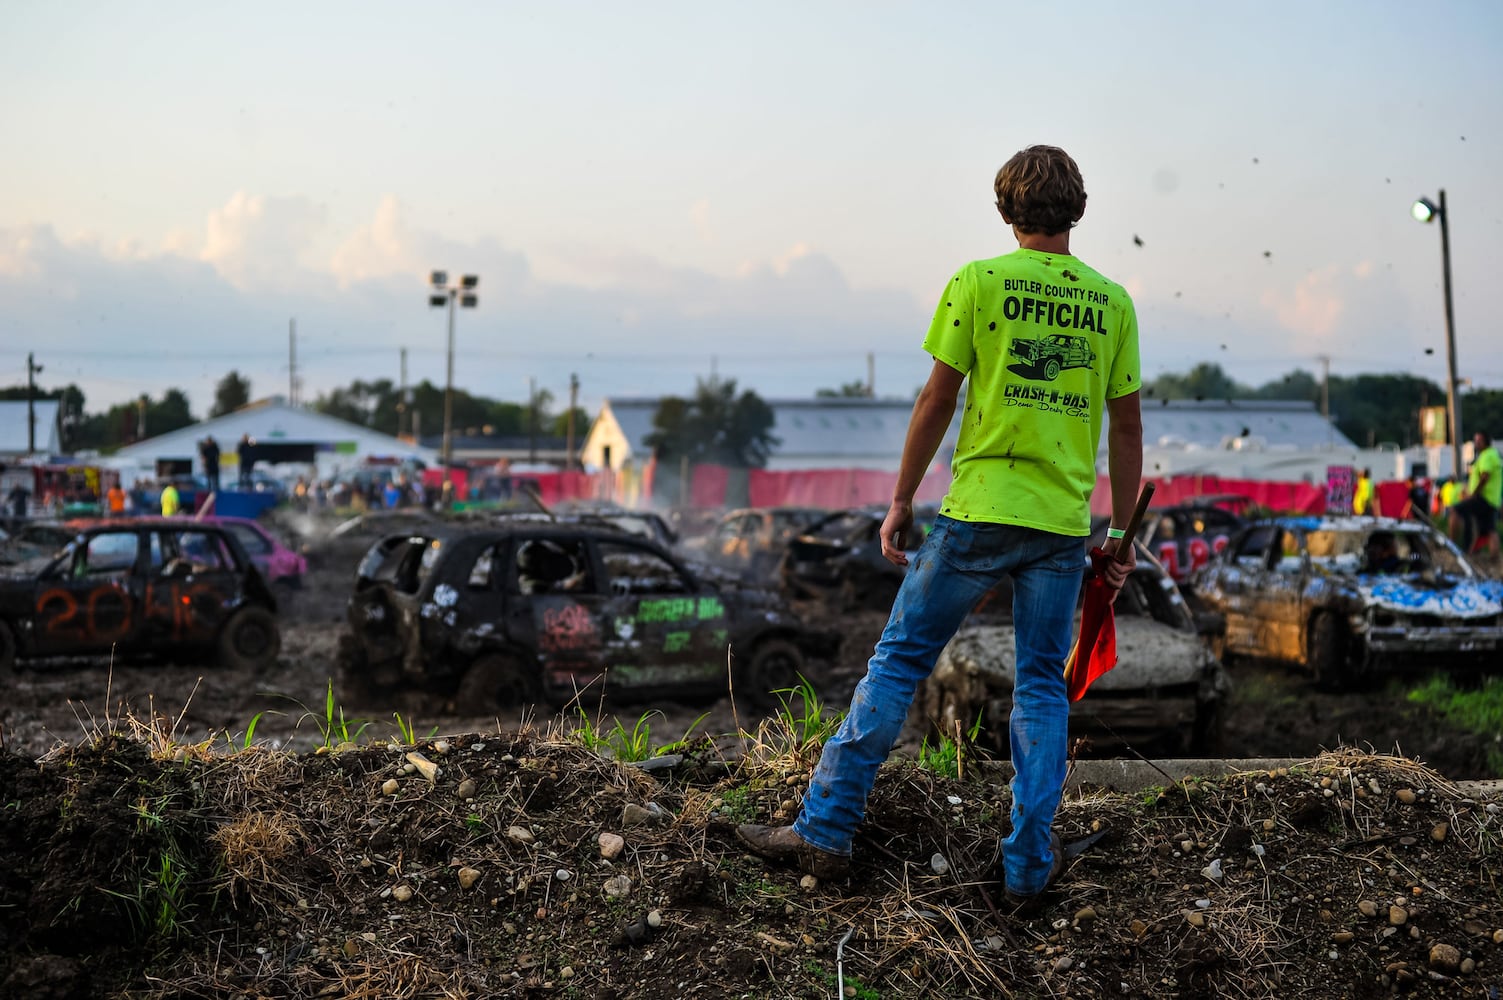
<point x="556" y="607"/>
<point x="192" y="586"/>
<point x="1238" y="580"/>
<point x="88" y="598"/>
<point x="1281" y="597"/>
<point x="661" y="626"/>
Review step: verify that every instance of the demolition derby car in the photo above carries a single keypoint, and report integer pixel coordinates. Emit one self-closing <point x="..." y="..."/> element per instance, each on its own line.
<point x="1346" y="597"/>
<point x="530" y="613"/>
<point x="1167" y="691"/>
<point x="838" y="559"/>
<point x="142" y="585"/>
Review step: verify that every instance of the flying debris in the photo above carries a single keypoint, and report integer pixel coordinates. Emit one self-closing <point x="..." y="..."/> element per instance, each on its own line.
<point x="1137" y="240"/>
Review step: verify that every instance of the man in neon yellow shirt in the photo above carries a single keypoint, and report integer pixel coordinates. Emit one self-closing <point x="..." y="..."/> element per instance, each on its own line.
<point x="171" y="503"/>
<point x="1476" y="516"/>
<point x="1049" y="346"/>
<point x="1362" y="496"/>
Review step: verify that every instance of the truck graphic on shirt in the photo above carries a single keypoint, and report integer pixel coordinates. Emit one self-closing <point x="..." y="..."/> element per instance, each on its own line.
<point x="1053" y="354"/>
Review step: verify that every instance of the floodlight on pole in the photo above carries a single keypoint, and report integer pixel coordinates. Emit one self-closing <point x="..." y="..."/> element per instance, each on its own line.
<point x="1426" y="210"/>
<point x="445" y="294"/>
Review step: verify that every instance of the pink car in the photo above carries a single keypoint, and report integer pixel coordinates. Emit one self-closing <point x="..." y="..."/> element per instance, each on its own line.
<point x="277" y="562"/>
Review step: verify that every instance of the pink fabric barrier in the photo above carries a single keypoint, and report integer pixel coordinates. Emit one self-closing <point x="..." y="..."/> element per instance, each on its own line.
<point x="1284" y="498"/>
<point x="836" y="488"/>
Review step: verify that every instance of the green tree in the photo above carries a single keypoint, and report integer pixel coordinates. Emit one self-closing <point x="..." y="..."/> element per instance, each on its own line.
<point x="857" y="388"/>
<point x="716" y="426"/>
<point x="1481" y="410"/>
<point x="230" y="393"/>
<point x="1204" y="381"/>
<point x="1296" y="385"/>
<point x="167" y="414"/>
<point x="1373" y="409"/>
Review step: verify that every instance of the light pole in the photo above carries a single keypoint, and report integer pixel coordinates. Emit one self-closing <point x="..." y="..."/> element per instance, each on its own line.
<point x="441" y="294"/>
<point x="1426" y="210"/>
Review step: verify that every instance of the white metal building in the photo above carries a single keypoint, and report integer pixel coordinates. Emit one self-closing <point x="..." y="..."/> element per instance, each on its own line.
<point x="284" y="436"/>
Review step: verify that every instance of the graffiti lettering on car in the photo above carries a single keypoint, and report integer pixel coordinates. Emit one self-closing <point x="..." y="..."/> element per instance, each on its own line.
<point x="108" y="611"/>
<point x="567" y="628"/>
<point x="57" y="613"/>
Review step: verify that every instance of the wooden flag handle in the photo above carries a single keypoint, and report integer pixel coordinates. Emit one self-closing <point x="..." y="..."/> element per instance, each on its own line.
<point x="1131" y="531"/>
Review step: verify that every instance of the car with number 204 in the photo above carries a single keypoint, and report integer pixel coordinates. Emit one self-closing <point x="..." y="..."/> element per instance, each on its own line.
<point x="1348" y="597"/>
<point x="140" y="586"/>
<point x="528" y="613"/>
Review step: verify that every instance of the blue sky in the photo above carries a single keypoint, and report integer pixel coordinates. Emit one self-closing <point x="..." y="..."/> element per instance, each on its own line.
<point x="651" y="192"/>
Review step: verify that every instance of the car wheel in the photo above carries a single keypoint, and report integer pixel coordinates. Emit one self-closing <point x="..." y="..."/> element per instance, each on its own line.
<point x="497" y="681"/>
<point x="774" y="665"/>
<point x="7" y="649"/>
<point x="249" y="640"/>
<point x="1328" y="653"/>
<point x="1051" y="369"/>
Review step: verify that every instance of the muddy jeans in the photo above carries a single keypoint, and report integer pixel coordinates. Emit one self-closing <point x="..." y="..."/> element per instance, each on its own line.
<point x="958" y="563"/>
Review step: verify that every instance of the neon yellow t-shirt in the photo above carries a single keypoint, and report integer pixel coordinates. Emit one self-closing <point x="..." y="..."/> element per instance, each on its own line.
<point x="1362" y="496"/>
<point x="1488" y="461"/>
<point x="170" y="502"/>
<point x="1045" y="341"/>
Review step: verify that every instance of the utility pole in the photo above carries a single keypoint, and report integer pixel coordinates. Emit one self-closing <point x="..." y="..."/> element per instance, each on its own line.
<point x="871" y="375"/>
<point x="532" y="419"/>
<point x="1325" y="392"/>
<point x="292" y="362"/>
<point x="573" y="402"/>
<point x="402" y="397"/>
<point x="32" y="371"/>
<point x="441" y="294"/>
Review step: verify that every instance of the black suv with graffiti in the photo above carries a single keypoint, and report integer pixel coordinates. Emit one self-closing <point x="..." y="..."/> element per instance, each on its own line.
<point x="530" y="613"/>
<point x="1053" y="354"/>
<point x="127" y="587"/>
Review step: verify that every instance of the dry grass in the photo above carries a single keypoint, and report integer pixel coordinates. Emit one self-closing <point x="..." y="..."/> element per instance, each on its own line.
<point x="320" y="857"/>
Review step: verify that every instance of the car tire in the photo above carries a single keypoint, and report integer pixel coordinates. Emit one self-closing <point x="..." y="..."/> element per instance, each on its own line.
<point x="498" y="682"/>
<point x="1051" y="370"/>
<point x="1328" y="651"/>
<point x="250" y="640"/>
<point x="7" y="649"/>
<point x="774" y="665"/>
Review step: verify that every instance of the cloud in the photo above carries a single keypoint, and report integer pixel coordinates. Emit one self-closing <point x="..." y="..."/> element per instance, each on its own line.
<point x="256" y="241"/>
<point x="125" y="319"/>
<point x="699" y="216"/>
<point x="1315" y="305"/>
<point x="383" y="248"/>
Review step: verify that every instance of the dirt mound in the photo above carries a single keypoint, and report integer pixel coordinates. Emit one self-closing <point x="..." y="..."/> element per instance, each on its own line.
<point x="522" y="865"/>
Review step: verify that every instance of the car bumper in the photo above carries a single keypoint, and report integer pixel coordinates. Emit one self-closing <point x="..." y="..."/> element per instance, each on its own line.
<point x="1410" y="642"/>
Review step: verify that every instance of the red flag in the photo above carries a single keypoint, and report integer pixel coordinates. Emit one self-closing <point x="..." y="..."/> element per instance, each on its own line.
<point x="1095" y="650"/>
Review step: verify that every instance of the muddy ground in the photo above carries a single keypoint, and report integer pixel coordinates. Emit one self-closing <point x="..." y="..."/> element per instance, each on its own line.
<point x="1273" y="712"/>
<point x="162" y="864"/>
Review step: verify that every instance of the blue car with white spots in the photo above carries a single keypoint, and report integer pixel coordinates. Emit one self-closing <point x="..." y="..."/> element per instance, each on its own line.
<point x="1350" y="597"/>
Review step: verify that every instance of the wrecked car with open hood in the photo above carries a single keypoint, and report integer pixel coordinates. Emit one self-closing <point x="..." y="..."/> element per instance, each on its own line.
<point x="838" y="559"/>
<point x="533" y="613"/>
<point x="1348" y="597"/>
<point x="1167" y="692"/>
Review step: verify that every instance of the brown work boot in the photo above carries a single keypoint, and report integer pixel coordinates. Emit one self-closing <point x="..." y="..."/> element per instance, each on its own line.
<point x="1027" y="906"/>
<point x="780" y="843"/>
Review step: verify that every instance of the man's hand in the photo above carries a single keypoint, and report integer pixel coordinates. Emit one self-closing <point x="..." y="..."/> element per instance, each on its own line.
<point x="1117" y="572"/>
<point x="895" y="528"/>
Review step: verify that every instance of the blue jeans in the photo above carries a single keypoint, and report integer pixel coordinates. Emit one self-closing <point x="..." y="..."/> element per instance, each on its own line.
<point x="958" y="563"/>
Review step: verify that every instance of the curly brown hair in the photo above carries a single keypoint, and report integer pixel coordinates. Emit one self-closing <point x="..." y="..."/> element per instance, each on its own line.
<point x="1040" y="190"/>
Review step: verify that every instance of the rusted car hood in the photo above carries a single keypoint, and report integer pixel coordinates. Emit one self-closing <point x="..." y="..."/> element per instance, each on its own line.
<point x="1149" y="655"/>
